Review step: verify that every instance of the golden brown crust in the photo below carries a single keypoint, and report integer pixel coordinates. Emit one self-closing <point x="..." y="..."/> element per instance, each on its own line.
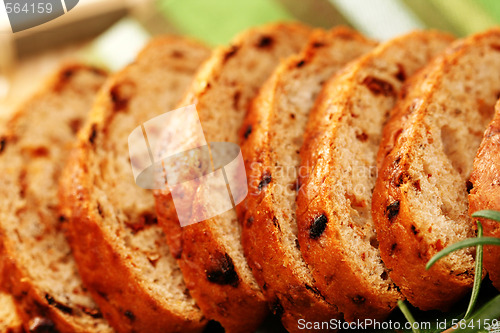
<point x="114" y="271"/>
<point x="33" y="306"/>
<point x="108" y="274"/>
<point x="290" y="298"/>
<point x="284" y="277"/>
<point x="485" y="193"/>
<point x="233" y="298"/>
<point x="334" y="201"/>
<point x="229" y="294"/>
<point x="36" y="306"/>
<point x="405" y="247"/>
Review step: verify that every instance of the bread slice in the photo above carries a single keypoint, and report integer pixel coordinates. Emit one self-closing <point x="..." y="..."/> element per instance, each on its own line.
<point x="420" y="199"/>
<point x="399" y="114"/>
<point x="36" y="264"/>
<point x="335" y="227"/>
<point x="485" y="192"/>
<point x="272" y="136"/>
<point x="210" y="252"/>
<point x="10" y="322"/>
<point x="121" y="251"/>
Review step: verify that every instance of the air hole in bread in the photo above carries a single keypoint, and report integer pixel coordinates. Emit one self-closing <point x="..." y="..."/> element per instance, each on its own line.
<point x="142" y="222"/>
<point x="452" y="148"/>
<point x="300" y="63"/>
<point x="265" y="42"/>
<point x="99" y="209"/>
<point x="121" y="94"/>
<point x="231" y="52"/>
<point x="236" y="99"/>
<point x="378" y="86"/>
<point x="93" y="134"/>
<point x="266" y="179"/>
<point x="3" y="143"/>
<point x="292" y="187"/>
<point x="374" y="241"/>
<point x="469" y="186"/>
<point x="130" y="315"/>
<point x="393" y="249"/>
<point x="417" y="186"/>
<point x="400" y="75"/>
<point x="75" y="125"/>
<point x="414" y="230"/>
<point x="363" y="137"/>
<point x="248" y="131"/>
<point x="276" y="223"/>
<point x="62" y="307"/>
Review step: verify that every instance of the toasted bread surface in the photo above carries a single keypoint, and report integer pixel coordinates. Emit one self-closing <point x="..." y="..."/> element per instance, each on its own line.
<point x="272" y="136"/>
<point x="210" y="253"/>
<point x="336" y="231"/>
<point x="36" y="264"/>
<point x="485" y="192"/>
<point x="420" y="201"/>
<point x="121" y="251"/>
<point x="10" y="322"/>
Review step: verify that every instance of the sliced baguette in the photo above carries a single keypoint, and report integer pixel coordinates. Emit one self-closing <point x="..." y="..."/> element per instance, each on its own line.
<point x="272" y="136"/>
<point x="10" y="322"/>
<point x="336" y="231"/>
<point x="36" y="265"/>
<point x="420" y="199"/>
<point x="121" y="251"/>
<point x="210" y="253"/>
<point x="485" y="193"/>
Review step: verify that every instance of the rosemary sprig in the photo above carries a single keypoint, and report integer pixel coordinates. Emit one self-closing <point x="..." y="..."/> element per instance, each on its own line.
<point x="492" y="308"/>
<point x="406" y="312"/>
<point x="461" y="245"/>
<point x="480" y="321"/>
<point x="478" y="273"/>
<point x="488" y="214"/>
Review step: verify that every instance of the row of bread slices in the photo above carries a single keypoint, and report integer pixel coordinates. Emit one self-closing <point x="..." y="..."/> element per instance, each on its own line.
<point x="327" y="120"/>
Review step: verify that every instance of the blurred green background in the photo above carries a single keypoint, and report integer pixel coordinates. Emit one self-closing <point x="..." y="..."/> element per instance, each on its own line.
<point x="216" y="21"/>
